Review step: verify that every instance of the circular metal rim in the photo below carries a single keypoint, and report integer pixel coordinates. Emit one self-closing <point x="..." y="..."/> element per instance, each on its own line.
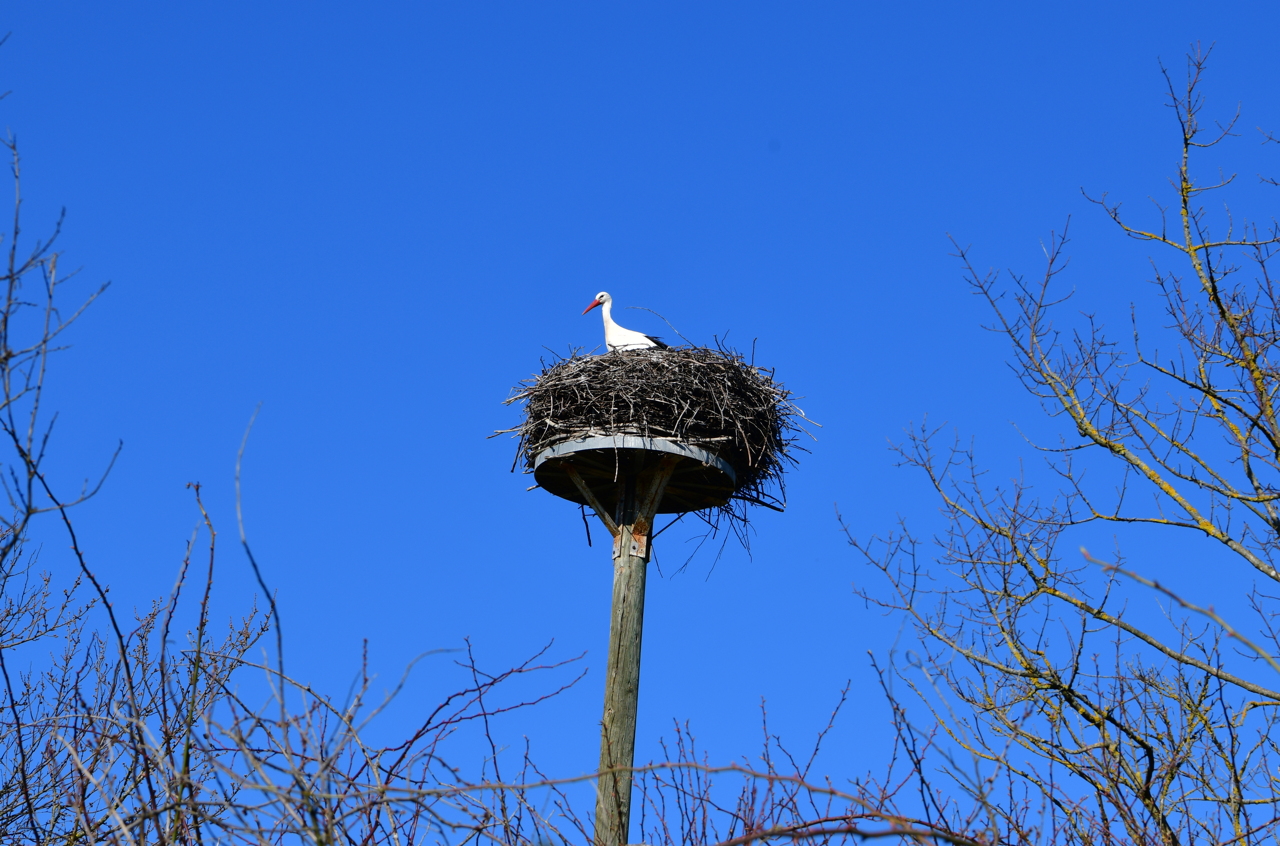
<point x="636" y="442"/>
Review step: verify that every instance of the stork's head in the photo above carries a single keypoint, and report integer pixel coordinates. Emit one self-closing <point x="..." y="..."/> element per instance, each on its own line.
<point x="602" y="298"/>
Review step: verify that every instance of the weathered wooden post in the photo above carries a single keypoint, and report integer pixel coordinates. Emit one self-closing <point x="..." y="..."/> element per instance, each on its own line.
<point x="634" y="434"/>
<point x="644" y="469"/>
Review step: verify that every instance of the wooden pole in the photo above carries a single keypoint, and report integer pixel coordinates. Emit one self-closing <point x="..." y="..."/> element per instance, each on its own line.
<point x="638" y="500"/>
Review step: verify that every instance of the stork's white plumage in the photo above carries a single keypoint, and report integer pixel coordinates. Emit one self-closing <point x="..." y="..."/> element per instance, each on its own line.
<point x="617" y="338"/>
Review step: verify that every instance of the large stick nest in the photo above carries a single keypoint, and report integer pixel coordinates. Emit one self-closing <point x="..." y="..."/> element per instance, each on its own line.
<point x="709" y="398"/>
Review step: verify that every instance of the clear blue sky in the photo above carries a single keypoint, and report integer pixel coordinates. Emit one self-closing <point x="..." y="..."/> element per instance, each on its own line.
<point x="373" y="218"/>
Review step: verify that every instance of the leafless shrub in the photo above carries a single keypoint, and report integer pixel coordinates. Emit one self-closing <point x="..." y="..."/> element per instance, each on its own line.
<point x="144" y="734"/>
<point x="1123" y="729"/>
<point x="778" y="797"/>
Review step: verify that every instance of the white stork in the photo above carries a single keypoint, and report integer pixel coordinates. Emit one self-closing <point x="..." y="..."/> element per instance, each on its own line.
<point x="617" y="338"/>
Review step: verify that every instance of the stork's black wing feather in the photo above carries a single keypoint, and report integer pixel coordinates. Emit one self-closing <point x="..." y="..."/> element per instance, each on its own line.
<point x="657" y="342"/>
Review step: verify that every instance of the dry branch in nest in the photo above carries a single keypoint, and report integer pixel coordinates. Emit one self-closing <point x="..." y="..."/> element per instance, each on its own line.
<point x="707" y="398"/>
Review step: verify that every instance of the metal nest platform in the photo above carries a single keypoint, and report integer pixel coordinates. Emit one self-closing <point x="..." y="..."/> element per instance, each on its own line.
<point x="699" y="479"/>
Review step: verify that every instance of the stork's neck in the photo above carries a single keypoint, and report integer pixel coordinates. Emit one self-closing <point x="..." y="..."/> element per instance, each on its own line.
<point x="607" y="309"/>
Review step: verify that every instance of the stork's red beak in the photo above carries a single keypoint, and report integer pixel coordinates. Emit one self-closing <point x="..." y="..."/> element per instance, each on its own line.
<point x="594" y="303"/>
